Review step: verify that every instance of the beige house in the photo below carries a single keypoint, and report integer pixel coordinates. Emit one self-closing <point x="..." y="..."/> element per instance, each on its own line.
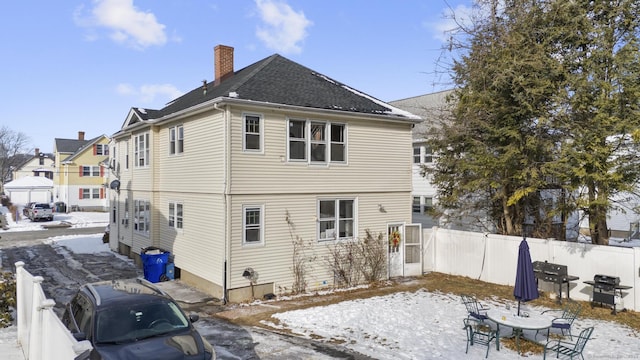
<point x="80" y="179"/>
<point x="40" y="164"/>
<point x="227" y="176"/>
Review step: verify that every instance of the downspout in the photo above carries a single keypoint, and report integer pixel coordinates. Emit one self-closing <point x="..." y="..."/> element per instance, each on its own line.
<point x="226" y="132"/>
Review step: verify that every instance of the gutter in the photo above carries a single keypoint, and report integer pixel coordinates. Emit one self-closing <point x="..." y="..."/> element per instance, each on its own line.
<point x="220" y="101"/>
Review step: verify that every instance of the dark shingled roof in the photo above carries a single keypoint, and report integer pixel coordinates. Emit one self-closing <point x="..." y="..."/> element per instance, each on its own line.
<point x="69" y="145"/>
<point x="278" y="80"/>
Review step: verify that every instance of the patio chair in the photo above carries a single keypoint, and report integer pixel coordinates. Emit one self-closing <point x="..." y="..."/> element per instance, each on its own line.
<point x="479" y="332"/>
<point x="570" y="312"/>
<point x="474" y="308"/>
<point x="569" y="349"/>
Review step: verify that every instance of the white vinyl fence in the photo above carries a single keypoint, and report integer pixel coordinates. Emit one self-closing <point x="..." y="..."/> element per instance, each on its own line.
<point x="493" y="258"/>
<point x="41" y="334"/>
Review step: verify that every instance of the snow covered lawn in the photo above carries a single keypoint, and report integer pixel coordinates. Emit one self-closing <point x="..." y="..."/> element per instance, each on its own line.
<point x="427" y="325"/>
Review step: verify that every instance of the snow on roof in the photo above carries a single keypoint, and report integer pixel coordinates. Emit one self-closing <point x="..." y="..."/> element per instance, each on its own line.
<point x="393" y="110"/>
<point x="30" y="182"/>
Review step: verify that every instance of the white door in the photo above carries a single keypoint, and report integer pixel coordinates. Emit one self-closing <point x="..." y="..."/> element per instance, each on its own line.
<point x="412" y="249"/>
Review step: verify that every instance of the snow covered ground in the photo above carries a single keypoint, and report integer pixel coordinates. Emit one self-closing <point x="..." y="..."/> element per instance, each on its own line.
<point x="405" y="325"/>
<point x="75" y="219"/>
<point x="427" y="325"/>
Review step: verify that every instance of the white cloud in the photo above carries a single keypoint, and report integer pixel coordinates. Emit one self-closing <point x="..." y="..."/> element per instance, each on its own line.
<point x="283" y="29"/>
<point x="126" y="24"/>
<point x="446" y="25"/>
<point x="151" y="93"/>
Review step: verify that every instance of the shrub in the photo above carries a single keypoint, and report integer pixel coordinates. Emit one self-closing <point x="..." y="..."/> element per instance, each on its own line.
<point x="361" y="259"/>
<point x="7" y="298"/>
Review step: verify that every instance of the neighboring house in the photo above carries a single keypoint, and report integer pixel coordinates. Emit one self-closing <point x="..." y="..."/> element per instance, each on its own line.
<point x="40" y="164"/>
<point x="429" y="107"/>
<point x="80" y="180"/>
<point x="29" y="189"/>
<point x="230" y="175"/>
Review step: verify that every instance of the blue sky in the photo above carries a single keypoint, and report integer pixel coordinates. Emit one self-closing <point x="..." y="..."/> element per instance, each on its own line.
<point x="80" y="65"/>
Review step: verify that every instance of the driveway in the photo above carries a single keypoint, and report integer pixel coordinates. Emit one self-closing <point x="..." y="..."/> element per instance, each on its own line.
<point x="63" y="271"/>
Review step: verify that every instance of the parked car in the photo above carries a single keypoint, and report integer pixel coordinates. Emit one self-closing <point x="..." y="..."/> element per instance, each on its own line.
<point x="133" y="319"/>
<point x="40" y="211"/>
<point x="27" y="209"/>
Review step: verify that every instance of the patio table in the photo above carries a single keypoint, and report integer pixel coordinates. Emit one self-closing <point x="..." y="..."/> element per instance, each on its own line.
<point x="508" y="318"/>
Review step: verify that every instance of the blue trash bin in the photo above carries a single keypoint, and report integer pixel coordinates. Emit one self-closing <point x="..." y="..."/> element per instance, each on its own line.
<point x="153" y="265"/>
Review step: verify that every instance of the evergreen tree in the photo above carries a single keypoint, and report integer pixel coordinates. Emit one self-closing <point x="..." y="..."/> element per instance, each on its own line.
<point x="542" y="91"/>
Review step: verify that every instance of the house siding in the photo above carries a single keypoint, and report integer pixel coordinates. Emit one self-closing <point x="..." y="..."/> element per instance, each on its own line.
<point x="199" y="168"/>
<point x="369" y="143"/>
<point x="288" y="217"/>
<point x="199" y="246"/>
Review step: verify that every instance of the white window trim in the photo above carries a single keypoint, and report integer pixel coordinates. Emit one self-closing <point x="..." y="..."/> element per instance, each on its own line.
<point x="102" y="149"/>
<point x="327" y="142"/>
<point x="126" y="155"/>
<point x="175" y="216"/>
<point x="260" y="133"/>
<point x="146" y="218"/>
<point x="141" y="153"/>
<point x="175" y="130"/>
<point x="305" y="141"/>
<point x="244" y="225"/>
<point x="337" y="219"/>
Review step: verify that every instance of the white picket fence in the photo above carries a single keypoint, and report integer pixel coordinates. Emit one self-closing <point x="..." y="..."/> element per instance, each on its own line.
<point x="41" y="334"/>
<point x="493" y="258"/>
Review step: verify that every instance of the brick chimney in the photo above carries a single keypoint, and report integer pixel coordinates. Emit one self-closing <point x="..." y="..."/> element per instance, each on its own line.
<point x="37" y="152"/>
<point x="80" y="135"/>
<point x="223" y="62"/>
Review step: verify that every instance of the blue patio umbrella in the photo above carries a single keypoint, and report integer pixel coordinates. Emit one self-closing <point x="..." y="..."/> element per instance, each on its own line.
<point x="525" y="288"/>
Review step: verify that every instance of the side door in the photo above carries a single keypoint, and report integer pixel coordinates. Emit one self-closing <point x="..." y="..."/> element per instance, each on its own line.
<point x="412" y="249"/>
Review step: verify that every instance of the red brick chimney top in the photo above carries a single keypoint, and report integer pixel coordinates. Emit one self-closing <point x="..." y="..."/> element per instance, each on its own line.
<point x="80" y="135"/>
<point x="223" y="62"/>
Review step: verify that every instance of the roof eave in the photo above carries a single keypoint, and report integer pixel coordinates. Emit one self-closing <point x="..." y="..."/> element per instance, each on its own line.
<point x="213" y="103"/>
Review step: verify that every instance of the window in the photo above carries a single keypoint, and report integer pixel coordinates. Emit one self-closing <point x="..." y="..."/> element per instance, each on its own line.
<point x="428" y="204"/>
<point x="90" y="171"/>
<point x="297" y="140"/>
<point x="89" y="193"/>
<point x="176" y="140"/>
<point x="141" y="216"/>
<point x="141" y="150"/>
<point x="428" y="155"/>
<point x="338" y="143"/>
<point x="335" y="219"/>
<point x="252" y="225"/>
<point x="41" y="160"/>
<point x="416" y="154"/>
<point x="125" y="219"/>
<point x="175" y="215"/>
<point x="101" y="149"/>
<point x="126" y="155"/>
<point x="416" y="204"/>
<point x="252" y="131"/>
<point x="320" y="142"/>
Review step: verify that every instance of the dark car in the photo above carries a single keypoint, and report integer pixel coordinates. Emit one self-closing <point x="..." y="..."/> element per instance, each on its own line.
<point x="133" y="319"/>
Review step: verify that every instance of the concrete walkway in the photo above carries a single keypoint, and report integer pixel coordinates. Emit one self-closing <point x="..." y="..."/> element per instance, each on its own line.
<point x="9" y="347"/>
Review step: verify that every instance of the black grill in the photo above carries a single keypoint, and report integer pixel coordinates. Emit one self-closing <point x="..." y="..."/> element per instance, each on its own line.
<point x="550" y="272"/>
<point x="607" y="290"/>
<point x="553" y="273"/>
<point x="605" y="282"/>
